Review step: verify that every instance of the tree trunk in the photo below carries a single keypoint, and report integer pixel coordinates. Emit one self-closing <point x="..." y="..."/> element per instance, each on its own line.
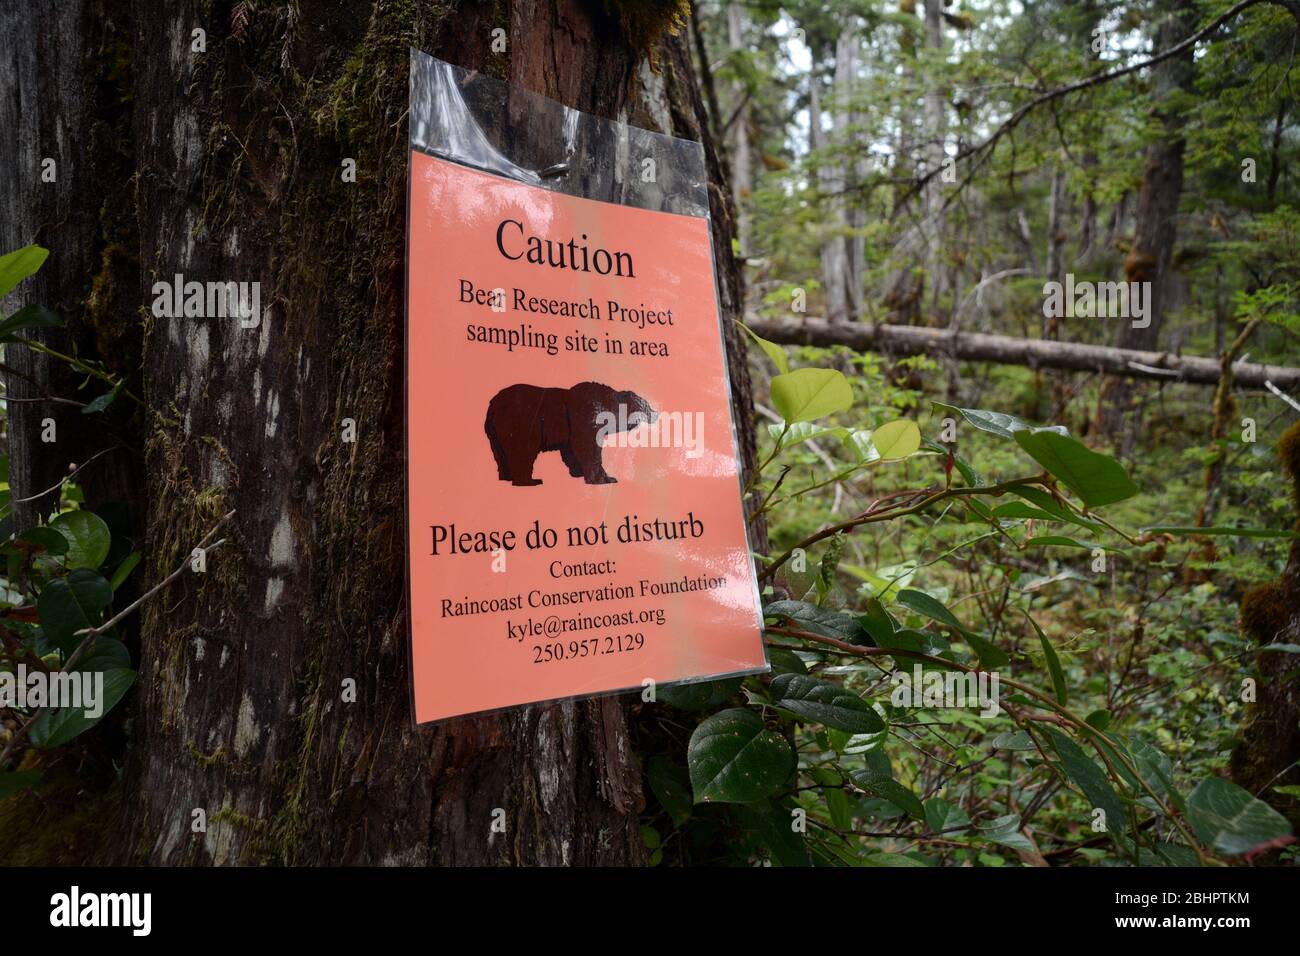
<point x="935" y="227"/>
<point x="741" y="163"/>
<point x="834" y="259"/>
<point x="834" y="174"/>
<point x="237" y="178"/>
<point x="1056" y="273"/>
<point x="52" y="110"/>
<point x="1006" y="350"/>
<point x="904" y="287"/>
<point x="1268" y="756"/>
<point x="1151" y="256"/>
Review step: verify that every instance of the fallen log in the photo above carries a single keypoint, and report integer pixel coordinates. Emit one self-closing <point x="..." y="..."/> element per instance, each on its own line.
<point x="1006" y="350"/>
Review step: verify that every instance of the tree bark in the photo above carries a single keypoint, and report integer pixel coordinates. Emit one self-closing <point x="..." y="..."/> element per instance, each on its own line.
<point x="238" y="152"/>
<point x="1003" y="349"/>
<point x="741" y="162"/>
<point x="1268" y="755"/>
<point x="64" y="102"/>
<point x="1151" y="255"/>
<point x="834" y="175"/>
<point x="935" y="227"/>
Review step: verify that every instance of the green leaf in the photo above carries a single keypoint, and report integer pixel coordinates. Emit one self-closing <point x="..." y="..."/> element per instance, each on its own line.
<point x="103" y="401"/>
<point x="786" y="661"/>
<point x="18" y="265"/>
<point x="124" y="570"/>
<point x="1223" y="530"/>
<point x="1005" y="831"/>
<point x="12" y="782"/>
<point x="1061" y="541"/>
<point x="1084" y="772"/>
<point x="818" y="620"/>
<point x="1013" y="740"/>
<point x="918" y="642"/>
<point x="968" y="474"/>
<point x="940" y="815"/>
<point x="1097" y="479"/>
<point x="877" y="622"/>
<point x="28" y="317"/>
<point x="1018" y="509"/>
<point x="733" y="758"/>
<point x="769" y="825"/>
<point x="1053" y="662"/>
<point x="672" y="788"/>
<point x="106" y="654"/>
<point x="700" y="695"/>
<point x="890" y="859"/>
<point x="837" y="800"/>
<point x="825" y="703"/>
<point x="1045" y="502"/>
<point x="1154" y="767"/>
<point x="996" y="423"/>
<point x="991" y="656"/>
<point x="803" y="431"/>
<point x="893" y="791"/>
<point x="859" y="442"/>
<point x="88" y="538"/>
<point x="47" y="539"/>
<point x="770" y="349"/>
<point x="1229" y="820"/>
<point x="896" y="440"/>
<point x="923" y="604"/>
<point x="1168" y="854"/>
<point x="53" y="728"/>
<point x="67" y="605"/>
<point x="809" y="393"/>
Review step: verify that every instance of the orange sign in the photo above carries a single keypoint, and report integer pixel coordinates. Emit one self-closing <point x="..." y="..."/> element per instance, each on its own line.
<point x="575" y="523"/>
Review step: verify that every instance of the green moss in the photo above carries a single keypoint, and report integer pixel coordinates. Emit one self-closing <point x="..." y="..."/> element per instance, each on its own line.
<point x="1288" y="450"/>
<point x="645" y="22"/>
<point x="115" y="340"/>
<point x="61" y="821"/>
<point x="1264" y="611"/>
<point x="229" y="814"/>
<point x="206" y="761"/>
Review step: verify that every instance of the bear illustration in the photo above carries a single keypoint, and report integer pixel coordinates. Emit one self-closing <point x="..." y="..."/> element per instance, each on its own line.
<point x="525" y="420"/>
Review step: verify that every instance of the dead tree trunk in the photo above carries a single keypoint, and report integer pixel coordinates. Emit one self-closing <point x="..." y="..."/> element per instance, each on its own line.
<point x="238" y="146"/>
<point x="1006" y="350"/>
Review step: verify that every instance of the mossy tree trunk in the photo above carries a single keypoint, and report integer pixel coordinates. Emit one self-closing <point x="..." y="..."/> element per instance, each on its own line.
<point x="1268" y="753"/>
<point x="239" y="711"/>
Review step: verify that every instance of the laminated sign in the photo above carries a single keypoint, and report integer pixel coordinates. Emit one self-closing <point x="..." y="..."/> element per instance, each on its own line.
<point x="574" y="510"/>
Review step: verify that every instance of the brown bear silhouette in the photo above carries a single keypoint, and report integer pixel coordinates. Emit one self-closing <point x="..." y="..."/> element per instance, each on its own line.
<point x="525" y="420"/>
